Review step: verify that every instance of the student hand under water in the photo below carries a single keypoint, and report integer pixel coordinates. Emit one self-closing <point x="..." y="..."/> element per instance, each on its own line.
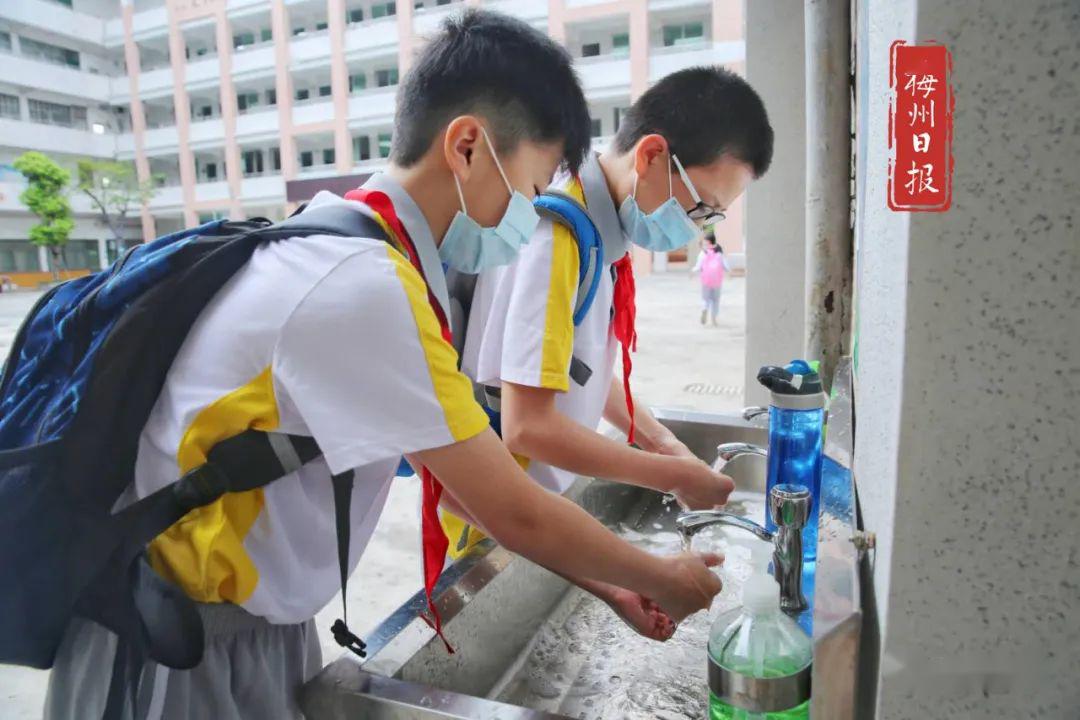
<point x="697" y="486"/>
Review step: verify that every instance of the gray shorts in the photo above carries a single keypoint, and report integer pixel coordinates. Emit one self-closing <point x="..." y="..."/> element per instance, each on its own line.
<point x="251" y="669"/>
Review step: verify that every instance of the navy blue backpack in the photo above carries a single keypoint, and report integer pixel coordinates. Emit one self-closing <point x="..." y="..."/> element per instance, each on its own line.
<point x="84" y="372"/>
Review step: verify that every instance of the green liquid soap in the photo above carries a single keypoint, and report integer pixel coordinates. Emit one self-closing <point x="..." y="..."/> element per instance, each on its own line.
<point x="720" y="710"/>
<point x="758" y="641"/>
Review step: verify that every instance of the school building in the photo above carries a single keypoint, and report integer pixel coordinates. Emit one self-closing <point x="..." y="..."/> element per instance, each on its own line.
<point x="239" y="108"/>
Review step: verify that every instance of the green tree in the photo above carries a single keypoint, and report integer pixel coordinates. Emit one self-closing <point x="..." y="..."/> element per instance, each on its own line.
<point x="46" y="197"/>
<point x="114" y="189"/>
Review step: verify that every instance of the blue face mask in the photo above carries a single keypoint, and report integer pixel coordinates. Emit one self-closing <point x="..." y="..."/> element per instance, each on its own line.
<point x="668" y="227"/>
<point x="469" y="248"/>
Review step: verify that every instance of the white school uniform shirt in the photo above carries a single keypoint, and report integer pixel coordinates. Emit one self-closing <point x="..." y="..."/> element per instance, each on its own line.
<point x="324" y="336"/>
<point x="521" y="327"/>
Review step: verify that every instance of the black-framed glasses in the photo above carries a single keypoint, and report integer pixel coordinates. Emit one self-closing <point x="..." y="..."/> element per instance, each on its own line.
<point x="702" y="213"/>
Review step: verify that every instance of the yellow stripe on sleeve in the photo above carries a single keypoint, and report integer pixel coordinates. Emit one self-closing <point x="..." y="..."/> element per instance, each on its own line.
<point x="464" y="417"/>
<point x="204" y="552"/>
<point x="559" y="315"/>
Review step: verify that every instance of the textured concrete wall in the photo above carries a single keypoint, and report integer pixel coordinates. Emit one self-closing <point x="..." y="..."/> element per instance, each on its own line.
<point x="775" y="216"/>
<point x="968" y="396"/>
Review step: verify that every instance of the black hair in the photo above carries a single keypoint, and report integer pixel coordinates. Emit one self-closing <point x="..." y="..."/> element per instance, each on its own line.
<point x="491" y="64"/>
<point x="703" y="113"/>
<point x="710" y="237"/>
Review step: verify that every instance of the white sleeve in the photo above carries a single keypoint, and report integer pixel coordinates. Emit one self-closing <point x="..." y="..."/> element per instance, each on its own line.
<point x="363" y="361"/>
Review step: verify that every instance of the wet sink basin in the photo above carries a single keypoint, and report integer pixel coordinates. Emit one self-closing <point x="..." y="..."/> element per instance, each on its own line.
<point x="530" y="646"/>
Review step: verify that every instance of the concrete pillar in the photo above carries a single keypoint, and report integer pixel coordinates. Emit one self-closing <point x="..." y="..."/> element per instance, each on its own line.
<point x="279" y="22"/>
<point x="775" y="220"/>
<point x="138" y="117"/>
<point x="339" y="86"/>
<point x="227" y="92"/>
<point x="967" y="390"/>
<point x="828" y="182"/>
<point x="182" y="109"/>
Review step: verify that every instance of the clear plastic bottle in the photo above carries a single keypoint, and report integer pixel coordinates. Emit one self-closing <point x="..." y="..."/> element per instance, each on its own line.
<point x="756" y="643"/>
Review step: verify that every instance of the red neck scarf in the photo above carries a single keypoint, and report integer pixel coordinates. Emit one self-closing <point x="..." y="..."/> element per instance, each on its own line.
<point x="623" y="326"/>
<point x="434" y="540"/>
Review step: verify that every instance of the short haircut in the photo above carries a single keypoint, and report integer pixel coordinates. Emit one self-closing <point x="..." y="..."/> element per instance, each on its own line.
<point x="496" y="66"/>
<point x="703" y="113"/>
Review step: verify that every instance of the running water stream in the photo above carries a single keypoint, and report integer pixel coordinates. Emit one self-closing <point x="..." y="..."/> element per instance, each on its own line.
<point x="585" y="663"/>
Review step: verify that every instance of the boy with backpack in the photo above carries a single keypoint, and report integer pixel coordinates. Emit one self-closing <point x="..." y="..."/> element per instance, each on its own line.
<point x="712" y="265"/>
<point x="314" y="360"/>
<point x="544" y="331"/>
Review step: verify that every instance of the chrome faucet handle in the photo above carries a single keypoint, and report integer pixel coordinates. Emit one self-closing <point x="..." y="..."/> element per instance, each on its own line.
<point x="789" y="505"/>
<point x="749" y="413"/>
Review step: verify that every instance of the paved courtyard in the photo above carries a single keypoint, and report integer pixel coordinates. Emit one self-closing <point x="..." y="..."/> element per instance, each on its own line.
<point x="679" y="363"/>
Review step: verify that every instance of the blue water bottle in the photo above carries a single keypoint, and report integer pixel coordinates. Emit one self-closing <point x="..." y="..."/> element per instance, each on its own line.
<point x="796" y="421"/>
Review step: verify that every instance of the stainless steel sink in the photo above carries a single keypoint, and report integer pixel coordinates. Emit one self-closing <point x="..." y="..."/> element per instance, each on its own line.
<point x="495" y="605"/>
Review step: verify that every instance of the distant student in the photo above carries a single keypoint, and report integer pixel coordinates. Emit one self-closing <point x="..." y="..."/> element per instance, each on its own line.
<point x="345" y="339"/>
<point x="712" y="264"/>
<point x="686" y="149"/>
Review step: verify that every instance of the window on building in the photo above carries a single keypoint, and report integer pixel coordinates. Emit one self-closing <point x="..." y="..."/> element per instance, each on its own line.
<point x="204" y="111"/>
<point x="384" y="9"/>
<point x="210" y="171"/>
<point x="266" y="35"/>
<point x="253" y="162"/>
<point x="386" y="78"/>
<point x="205" y="217"/>
<point x="596" y="127"/>
<point x="357" y="82"/>
<point x="620" y="43"/>
<point x="271" y="97"/>
<point x="18" y="256"/>
<point x="355" y="15"/>
<point x="243" y="40"/>
<point x="328" y="156"/>
<point x="9" y="106"/>
<point x="442" y="2"/>
<point x="384" y="144"/>
<point x="324" y="90"/>
<point x="298" y="30"/>
<point x="620" y="113"/>
<point x="361" y="148"/>
<point x="246" y="101"/>
<point x="48" y="52"/>
<point x="5" y="40"/>
<point x="81" y="255"/>
<point x="590" y="49"/>
<point x="418" y="5"/>
<point x="683" y="33"/>
<point x="64" y="2"/>
<point x="303" y="94"/>
<point x="275" y="158"/>
<point x="55" y="114"/>
<point x="307" y="159"/>
<point x="321" y="26"/>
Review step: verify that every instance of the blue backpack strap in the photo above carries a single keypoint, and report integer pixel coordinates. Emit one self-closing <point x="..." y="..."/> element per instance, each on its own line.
<point x="568" y="212"/>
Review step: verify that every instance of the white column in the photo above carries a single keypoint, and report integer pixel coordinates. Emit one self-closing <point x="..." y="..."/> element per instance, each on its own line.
<point x="775" y="218"/>
<point x="966" y="400"/>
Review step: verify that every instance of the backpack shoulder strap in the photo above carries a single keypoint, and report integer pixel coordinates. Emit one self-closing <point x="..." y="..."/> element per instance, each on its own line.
<point x="560" y="207"/>
<point x="329" y="219"/>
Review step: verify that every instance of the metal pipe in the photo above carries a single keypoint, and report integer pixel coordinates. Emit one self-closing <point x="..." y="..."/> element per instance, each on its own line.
<point x="828" y="181"/>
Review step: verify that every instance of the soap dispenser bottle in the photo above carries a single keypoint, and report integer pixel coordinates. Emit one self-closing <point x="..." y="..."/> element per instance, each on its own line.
<point x="759" y="659"/>
<point x="796" y="425"/>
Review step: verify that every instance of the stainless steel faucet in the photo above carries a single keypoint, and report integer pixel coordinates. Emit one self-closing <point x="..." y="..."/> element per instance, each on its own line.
<point x="789" y="507"/>
<point x="726" y="452"/>
<point x="749" y="414"/>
